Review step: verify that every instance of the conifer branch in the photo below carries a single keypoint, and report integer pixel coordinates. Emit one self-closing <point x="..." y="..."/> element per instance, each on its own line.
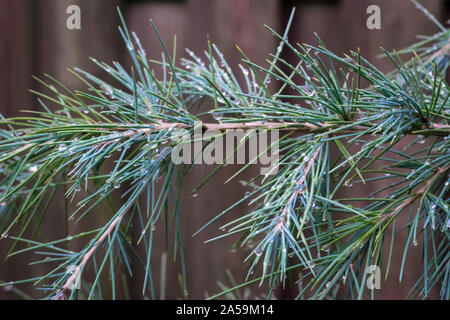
<point x="299" y="190"/>
<point x="416" y="195"/>
<point x="297" y="224"/>
<point x="74" y="278"/>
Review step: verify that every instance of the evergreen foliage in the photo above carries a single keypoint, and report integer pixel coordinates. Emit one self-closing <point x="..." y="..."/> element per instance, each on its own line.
<point x="343" y="123"/>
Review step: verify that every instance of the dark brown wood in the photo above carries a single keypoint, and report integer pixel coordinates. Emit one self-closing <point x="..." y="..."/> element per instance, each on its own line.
<point x="34" y="41"/>
<point x="16" y="53"/>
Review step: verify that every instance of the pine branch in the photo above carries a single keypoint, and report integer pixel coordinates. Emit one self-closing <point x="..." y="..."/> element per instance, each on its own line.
<point x="74" y="278"/>
<point x="299" y="189"/>
<point x="444" y="130"/>
<point x="297" y="224"/>
<point x="416" y="195"/>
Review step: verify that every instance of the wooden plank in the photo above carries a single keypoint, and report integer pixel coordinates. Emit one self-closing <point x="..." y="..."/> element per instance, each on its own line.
<point x="228" y="23"/>
<point x="61" y="48"/>
<point x="15" y="80"/>
<point x="170" y="19"/>
<point x="15" y="58"/>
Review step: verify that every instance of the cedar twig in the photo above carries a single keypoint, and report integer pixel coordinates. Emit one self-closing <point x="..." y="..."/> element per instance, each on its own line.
<point x="421" y="192"/>
<point x="284" y="126"/>
<point x="297" y="191"/>
<point x="73" y="279"/>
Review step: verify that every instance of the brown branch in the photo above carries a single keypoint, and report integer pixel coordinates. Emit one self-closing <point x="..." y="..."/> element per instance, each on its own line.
<point x="408" y="201"/>
<point x="73" y="279"/>
<point x="284" y="126"/>
<point x="301" y="181"/>
<point x="440" y="52"/>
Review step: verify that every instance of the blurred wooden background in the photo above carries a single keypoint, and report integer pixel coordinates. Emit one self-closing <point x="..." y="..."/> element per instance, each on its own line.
<point x="34" y="40"/>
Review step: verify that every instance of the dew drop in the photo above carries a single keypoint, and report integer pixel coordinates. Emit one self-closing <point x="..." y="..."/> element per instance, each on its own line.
<point x="33" y="169"/>
<point x="258" y="252"/>
<point x="415" y="243"/>
<point x="308" y="90"/>
<point x="130" y="46"/>
<point x="217" y="116"/>
<point x="421" y="139"/>
<point x="8" y="287"/>
<point x="108" y="90"/>
<point x="117" y="184"/>
<point x="62" y="147"/>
